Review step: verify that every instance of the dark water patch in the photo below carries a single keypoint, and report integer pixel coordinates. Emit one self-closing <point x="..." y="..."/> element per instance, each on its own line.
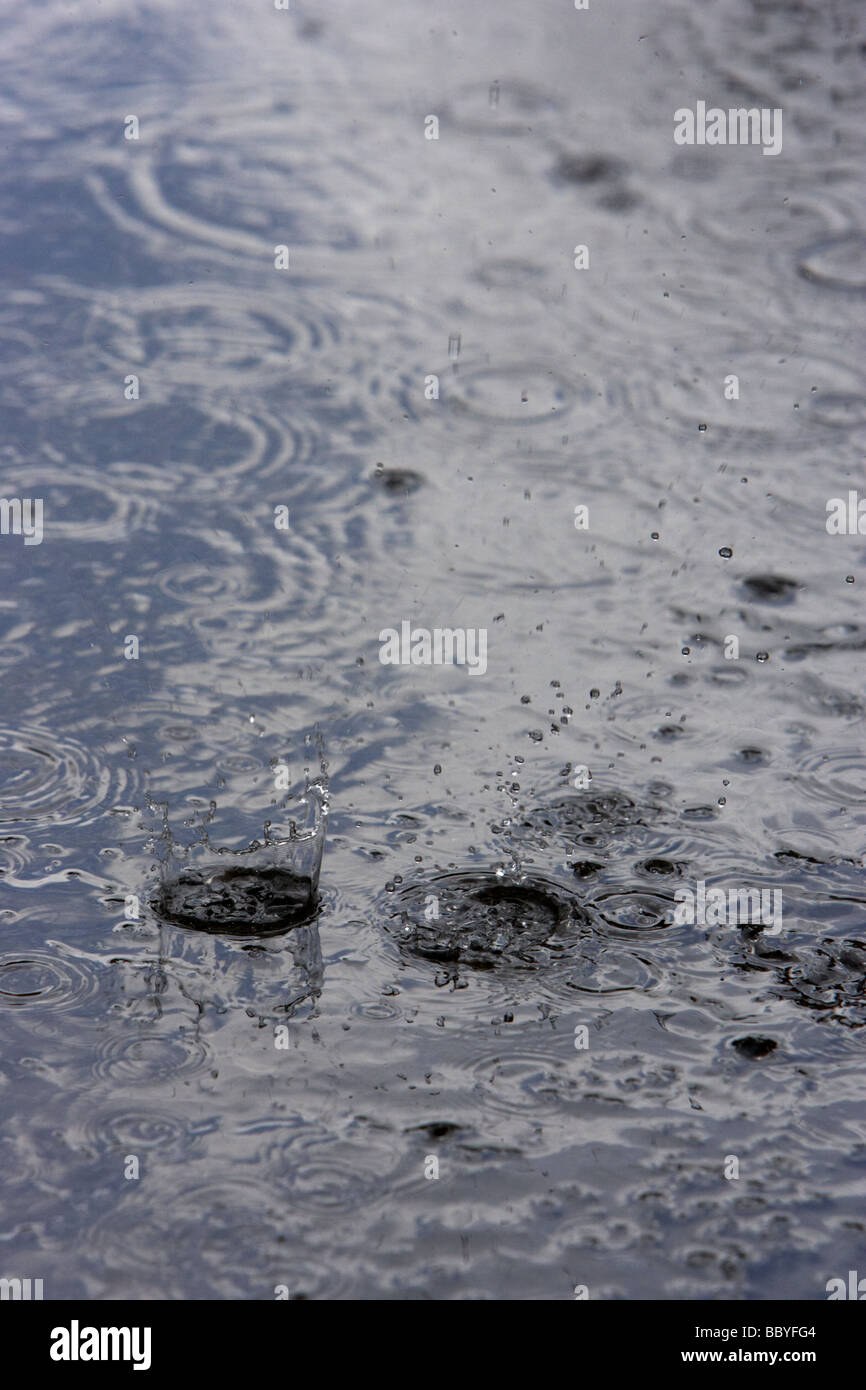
<point x="398" y="482"/>
<point x="770" y="588"/>
<point x="238" y="901"/>
<point x="660" y="867"/>
<point x="603" y="173"/>
<point x="666" y="733"/>
<point x="586" y="169"/>
<point x="586" y="868"/>
<point x="752" y="757"/>
<point x="754" y="1047"/>
<point x="436" y="1129"/>
<point x="484" y="921"/>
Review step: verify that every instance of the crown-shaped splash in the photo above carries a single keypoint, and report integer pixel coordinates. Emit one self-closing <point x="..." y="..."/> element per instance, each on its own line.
<point x="266" y="886"/>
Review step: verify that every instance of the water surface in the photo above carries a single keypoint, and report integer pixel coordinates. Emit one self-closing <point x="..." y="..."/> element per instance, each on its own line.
<point x="284" y="1092"/>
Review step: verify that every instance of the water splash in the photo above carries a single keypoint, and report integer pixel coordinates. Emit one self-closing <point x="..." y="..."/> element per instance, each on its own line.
<point x="263" y="888"/>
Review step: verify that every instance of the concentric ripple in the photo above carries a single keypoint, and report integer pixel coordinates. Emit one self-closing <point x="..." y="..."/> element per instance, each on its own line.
<point x="527" y="394"/>
<point x="521" y="1081"/>
<point x="636" y="910"/>
<point x="836" y="775"/>
<point x="52" y="779"/>
<point x="42" y="980"/>
<point x="484" y="920"/>
<point x="150" y="1057"/>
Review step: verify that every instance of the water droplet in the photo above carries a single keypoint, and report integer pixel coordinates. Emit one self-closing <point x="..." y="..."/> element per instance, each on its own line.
<point x="654" y="535"/>
<point x="687" y="651"/>
<point x="702" y="429"/>
<point x="726" y="552"/>
<point x="437" y="768"/>
<point x="594" y="694"/>
<point x="762" y="656"/>
<point x="849" y="579"/>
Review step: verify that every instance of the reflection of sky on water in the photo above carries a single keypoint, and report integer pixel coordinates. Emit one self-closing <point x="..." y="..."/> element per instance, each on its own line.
<point x="305" y="389"/>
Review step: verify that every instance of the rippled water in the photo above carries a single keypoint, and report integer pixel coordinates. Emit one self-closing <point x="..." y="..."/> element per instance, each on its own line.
<point x="492" y="974"/>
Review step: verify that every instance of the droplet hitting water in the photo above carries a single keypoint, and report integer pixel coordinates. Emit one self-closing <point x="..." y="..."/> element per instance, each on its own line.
<point x="264" y="889"/>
